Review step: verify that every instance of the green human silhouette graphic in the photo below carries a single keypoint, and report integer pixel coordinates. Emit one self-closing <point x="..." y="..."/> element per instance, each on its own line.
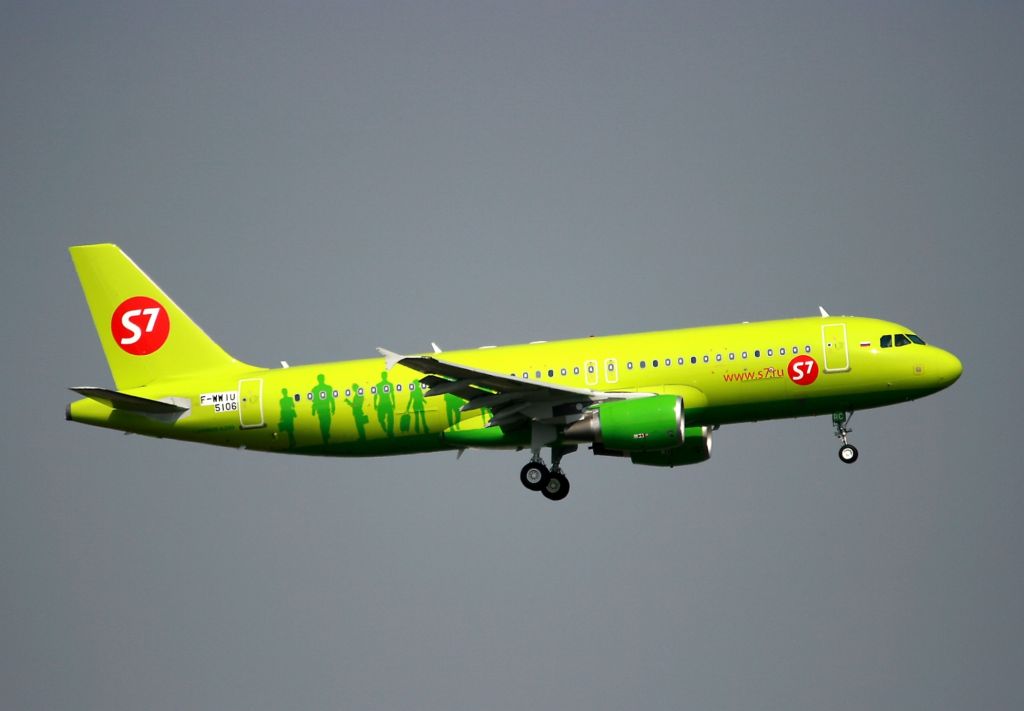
<point x="323" y="406"/>
<point x="384" y="404"/>
<point x="452" y="405"/>
<point x="417" y="401"/>
<point x="485" y="415"/>
<point x="356" y="403"/>
<point x="288" y="414"/>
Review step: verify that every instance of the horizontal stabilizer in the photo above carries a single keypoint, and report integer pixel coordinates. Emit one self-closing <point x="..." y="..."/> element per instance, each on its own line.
<point x="132" y="403"/>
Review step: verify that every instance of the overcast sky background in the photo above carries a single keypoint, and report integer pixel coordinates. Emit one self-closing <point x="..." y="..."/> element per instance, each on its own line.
<point x="312" y="181"/>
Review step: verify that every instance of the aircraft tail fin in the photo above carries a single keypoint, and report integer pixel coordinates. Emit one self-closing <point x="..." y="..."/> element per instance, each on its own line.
<point x="144" y="334"/>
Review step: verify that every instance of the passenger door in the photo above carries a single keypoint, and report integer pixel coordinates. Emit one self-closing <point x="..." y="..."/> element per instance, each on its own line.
<point x="250" y="402"/>
<point x="834" y="346"/>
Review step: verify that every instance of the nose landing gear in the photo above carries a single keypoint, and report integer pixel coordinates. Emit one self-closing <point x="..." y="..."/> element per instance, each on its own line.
<point x="847" y="453"/>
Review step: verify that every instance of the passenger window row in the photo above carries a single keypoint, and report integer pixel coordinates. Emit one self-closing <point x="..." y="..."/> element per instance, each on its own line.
<point x="667" y="362"/>
<point x="360" y="390"/>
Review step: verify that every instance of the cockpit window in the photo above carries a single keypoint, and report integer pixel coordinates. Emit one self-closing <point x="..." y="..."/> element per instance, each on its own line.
<point x="902" y="339"/>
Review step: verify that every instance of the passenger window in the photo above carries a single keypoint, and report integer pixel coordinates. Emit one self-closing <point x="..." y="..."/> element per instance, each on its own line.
<point x="537" y="374"/>
<point x="693" y="360"/>
<point x="682" y="361"/>
<point x="732" y="356"/>
<point x="769" y="351"/>
<point x="629" y="365"/>
<point x="902" y="340"/>
<point x="757" y="353"/>
<point x="886" y="341"/>
<point x="744" y="355"/>
<point x="654" y="363"/>
<point x="564" y="371"/>
<point x="551" y="373"/>
<point x="707" y="359"/>
<point x="718" y="357"/>
<point x="576" y="370"/>
<point x="643" y="364"/>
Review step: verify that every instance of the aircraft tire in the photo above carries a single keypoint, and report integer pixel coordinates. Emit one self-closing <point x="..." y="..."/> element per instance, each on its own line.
<point x="535" y="476"/>
<point x="557" y="488"/>
<point x="848" y="454"/>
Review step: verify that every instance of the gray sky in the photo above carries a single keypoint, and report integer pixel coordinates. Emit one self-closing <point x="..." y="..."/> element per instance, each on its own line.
<point x="311" y="182"/>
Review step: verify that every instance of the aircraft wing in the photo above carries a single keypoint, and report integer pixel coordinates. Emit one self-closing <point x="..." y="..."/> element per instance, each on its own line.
<point x="510" y="399"/>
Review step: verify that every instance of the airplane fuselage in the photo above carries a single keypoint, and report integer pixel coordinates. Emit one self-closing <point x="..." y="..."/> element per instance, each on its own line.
<point x="724" y="374"/>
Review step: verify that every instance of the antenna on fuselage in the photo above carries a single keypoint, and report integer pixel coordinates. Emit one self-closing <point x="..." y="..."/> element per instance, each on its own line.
<point x="824" y="313"/>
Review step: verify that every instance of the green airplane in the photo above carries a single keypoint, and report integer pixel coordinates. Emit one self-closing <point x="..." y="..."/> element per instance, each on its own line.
<point x="652" y="397"/>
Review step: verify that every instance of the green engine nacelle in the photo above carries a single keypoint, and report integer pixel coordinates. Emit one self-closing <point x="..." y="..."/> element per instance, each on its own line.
<point x="638" y="425"/>
<point x="696" y="448"/>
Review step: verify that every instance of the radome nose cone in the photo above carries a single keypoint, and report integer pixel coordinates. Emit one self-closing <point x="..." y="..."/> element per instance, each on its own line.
<point x="951" y="368"/>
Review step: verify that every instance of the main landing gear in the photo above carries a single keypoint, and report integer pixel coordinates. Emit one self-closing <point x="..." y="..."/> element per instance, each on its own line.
<point x="552" y="483"/>
<point x="847" y="453"/>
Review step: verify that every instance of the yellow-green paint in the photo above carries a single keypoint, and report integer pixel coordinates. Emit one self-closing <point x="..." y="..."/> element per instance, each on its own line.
<point x="724" y="374"/>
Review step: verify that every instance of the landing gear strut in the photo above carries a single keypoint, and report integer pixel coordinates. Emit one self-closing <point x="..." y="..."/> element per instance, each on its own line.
<point x="847" y="453"/>
<point x="552" y="483"/>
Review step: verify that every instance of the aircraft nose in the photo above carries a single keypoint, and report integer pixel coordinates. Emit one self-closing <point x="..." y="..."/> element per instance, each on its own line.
<point x="948" y="367"/>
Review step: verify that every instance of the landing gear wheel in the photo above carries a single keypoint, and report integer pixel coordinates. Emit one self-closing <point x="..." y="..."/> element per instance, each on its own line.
<point x="535" y="476"/>
<point x="847" y="453"/>
<point x="557" y="487"/>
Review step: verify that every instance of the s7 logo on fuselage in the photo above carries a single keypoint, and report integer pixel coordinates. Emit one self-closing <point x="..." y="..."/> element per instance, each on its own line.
<point x="803" y="370"/>
<point x="140" y="325"/>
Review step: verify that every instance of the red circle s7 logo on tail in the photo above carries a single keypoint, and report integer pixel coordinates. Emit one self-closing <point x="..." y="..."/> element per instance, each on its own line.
<point x="803" y="370"/>
<point x="140" y="325"/>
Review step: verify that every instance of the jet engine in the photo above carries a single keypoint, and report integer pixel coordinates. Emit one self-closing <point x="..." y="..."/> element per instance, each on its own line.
<point x="696" y="448"/>
<point x="648" y="424"/>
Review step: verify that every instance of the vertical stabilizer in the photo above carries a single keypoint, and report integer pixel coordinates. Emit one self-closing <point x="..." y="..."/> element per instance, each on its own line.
<point x="144" y="334"/>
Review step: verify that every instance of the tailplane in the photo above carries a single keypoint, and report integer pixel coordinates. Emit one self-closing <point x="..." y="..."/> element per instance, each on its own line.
<point x="145" y="336"/>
